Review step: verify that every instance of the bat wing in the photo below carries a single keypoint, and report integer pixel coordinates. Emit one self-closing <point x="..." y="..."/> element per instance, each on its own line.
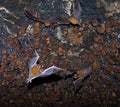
<point x="51" y="70"/>
<point x="33" y="60"/>
<point x="77" y="83"/>
<point x="31" y="63"/>
<point x="44" y="73"/>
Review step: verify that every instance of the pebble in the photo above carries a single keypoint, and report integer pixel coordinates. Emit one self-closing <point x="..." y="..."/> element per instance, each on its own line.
<point x="101" y="29"/>
<point x="98" y="39"/>
<point x="108" y="15"/>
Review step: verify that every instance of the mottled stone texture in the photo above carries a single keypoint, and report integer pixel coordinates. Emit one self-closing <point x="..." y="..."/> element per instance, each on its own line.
<point x="95" y="44"/>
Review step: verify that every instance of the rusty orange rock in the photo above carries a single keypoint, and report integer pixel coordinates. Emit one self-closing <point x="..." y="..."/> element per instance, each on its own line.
<point x="36" y="43"/>
<point x="101" y="29"/>
<point x="96" y="65"/>
<point x="21" y="32"/>
<point x="47" y="40"/>
<point x="108" y="15"/>
<point x="60" y="51"/>
<point x="36" y="28"/>
<point x="95" y="23"/>
<point x="98" y="39"/>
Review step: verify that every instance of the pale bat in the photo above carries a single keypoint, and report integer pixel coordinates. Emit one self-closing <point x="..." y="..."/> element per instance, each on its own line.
<point x="36" y="71"/>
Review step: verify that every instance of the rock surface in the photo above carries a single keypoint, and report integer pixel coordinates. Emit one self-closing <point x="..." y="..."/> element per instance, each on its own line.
<point x="95" y="43"/>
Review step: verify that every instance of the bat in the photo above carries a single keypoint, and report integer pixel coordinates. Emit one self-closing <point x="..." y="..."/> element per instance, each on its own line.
<point x="36" y="71"/>
<point x="77" y="10"/>
<point x="41" y="20"/>
<point x="77" y="83"/>
<point x="76" y="14"/>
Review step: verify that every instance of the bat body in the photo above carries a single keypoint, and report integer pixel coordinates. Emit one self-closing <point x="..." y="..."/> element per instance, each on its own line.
<point x="36" y="71"/>
<point x="47" y="23"/>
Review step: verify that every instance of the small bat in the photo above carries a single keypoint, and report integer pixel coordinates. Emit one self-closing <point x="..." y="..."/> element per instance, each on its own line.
<point x="36" y="71"/>
<point x="77" y="10"/>
<point x="47" y="23"/>
<point x="76" y="14"/>
<point x="77" y="83"/>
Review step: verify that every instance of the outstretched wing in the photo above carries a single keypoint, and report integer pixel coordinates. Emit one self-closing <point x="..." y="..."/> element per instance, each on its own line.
<point x="51" y="70"/>
<point x="33" y="60"/>
<point x="44" y="73"/>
